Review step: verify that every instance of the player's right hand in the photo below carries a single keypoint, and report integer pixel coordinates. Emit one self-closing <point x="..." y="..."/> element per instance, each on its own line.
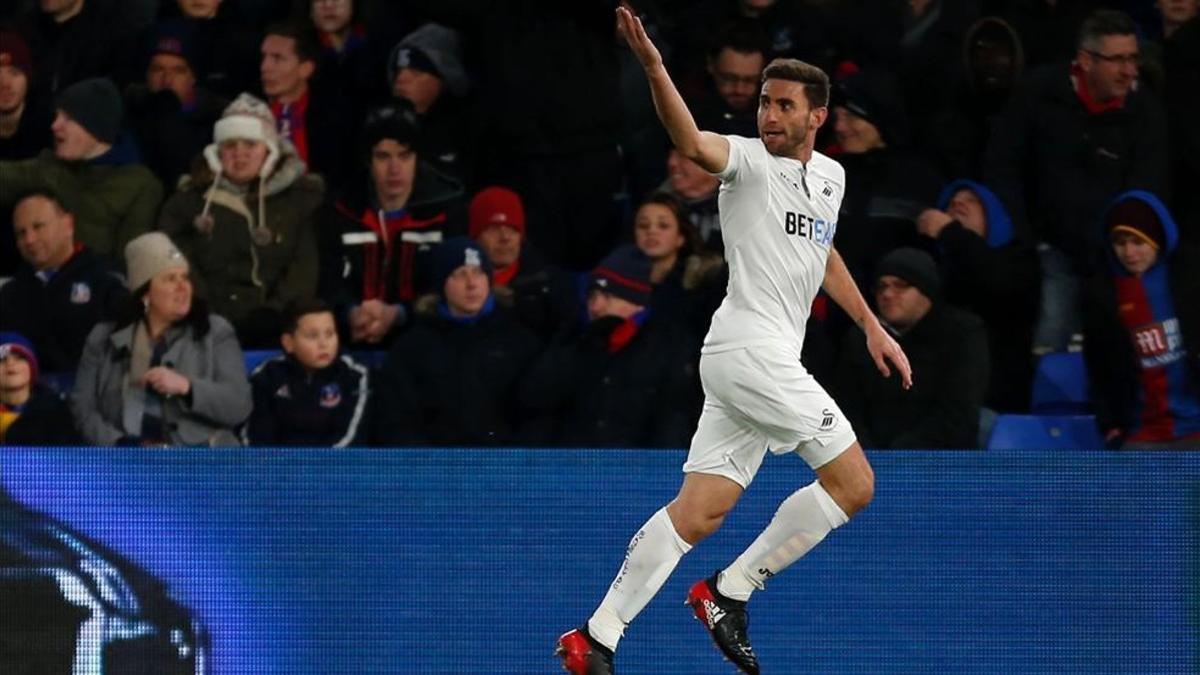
<point x="630" y="27"/>
<point x="883" y="348"/>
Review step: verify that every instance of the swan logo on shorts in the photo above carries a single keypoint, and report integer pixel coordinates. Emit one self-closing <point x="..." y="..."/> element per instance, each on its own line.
<point x="828" y="419"/>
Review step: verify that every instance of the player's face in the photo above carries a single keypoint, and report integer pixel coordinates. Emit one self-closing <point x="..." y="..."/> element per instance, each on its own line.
<point x="314" y="343"/>
<point x="467" y="290"/>
<point x="899" y="302"/>
<point x="966" y="208"/>
<point x="786" y="123"/>
<point x="1111" y="68"/>
<point x="1135" y="254"/>
<point x="656" y="232"/>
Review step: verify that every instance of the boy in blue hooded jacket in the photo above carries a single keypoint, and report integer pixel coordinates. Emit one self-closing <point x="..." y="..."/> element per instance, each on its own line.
<point x="1140" y="341"/>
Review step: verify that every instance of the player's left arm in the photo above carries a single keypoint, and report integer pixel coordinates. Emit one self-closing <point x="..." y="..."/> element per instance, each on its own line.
<point x="841" y="287"/>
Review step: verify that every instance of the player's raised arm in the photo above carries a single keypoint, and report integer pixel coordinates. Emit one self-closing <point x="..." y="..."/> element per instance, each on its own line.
<point x="707" y="149"/>
<point x="841" y="287"/>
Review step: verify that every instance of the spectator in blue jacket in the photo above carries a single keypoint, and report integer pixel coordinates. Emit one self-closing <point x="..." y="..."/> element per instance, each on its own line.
<point x="989" y="270"/>
<point x="1140" y="343"/>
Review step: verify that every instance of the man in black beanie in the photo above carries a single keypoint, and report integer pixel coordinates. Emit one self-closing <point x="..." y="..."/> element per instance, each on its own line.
<point x="947" y="345"/>
<point x="379" y="231"/>
<point x="94" y="167"/>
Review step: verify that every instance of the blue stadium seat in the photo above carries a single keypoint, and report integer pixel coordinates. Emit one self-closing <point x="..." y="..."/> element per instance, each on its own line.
<point x="1045" y="432"/>
<point x="1060" y="385"/>
<point x="372" y="359"/>
<point x="254" y="357"/>
<point x="60" y="382"/>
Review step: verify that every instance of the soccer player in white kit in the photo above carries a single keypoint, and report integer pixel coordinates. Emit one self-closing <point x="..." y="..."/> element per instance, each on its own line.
<point x="779" y="205"/>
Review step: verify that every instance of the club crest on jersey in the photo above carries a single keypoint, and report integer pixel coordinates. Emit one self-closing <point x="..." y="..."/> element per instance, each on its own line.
<point x="818" y="230"/>
<point x="331" y="395"/>
<point x="81" y="293"/>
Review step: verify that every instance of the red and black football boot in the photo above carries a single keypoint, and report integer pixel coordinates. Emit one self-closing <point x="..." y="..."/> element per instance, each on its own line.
<point x="726" y="621"/>
<point x="582" y="655"/>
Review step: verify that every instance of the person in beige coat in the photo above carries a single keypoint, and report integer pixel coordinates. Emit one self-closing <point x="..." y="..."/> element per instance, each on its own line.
<point x="245" y="219"/>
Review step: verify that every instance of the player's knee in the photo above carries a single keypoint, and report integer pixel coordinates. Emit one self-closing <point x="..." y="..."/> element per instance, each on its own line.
<point x="696" y="524"/>
<point x="859" y="491"/>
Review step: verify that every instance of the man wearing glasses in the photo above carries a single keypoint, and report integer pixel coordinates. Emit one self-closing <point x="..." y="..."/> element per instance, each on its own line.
<point x="1072" y="138"/>
<point x="735" y="64"/>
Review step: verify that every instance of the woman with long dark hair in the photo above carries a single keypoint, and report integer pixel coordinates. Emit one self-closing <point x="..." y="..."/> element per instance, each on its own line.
<point x="166" y="372"/>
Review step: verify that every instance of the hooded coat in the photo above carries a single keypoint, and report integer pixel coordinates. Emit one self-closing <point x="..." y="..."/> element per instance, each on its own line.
<point x="1141" y="342"/>
<point x="368" y="255"/>
<point x="236" y="266"/>
<point x="998" y="278"/>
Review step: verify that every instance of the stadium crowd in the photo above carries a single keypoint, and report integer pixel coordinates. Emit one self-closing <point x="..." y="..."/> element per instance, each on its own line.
<point x="458" y="222"/>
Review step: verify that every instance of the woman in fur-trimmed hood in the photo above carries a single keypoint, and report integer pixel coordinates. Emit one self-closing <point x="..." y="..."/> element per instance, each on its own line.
<point x="245" y="219"/>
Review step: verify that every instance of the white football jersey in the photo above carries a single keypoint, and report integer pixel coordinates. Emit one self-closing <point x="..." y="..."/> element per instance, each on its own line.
<point x="778" y="218"/>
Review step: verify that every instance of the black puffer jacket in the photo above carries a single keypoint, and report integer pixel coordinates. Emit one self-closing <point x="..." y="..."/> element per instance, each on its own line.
<point x="588" y="393"/>
<point x="453" y="383"/>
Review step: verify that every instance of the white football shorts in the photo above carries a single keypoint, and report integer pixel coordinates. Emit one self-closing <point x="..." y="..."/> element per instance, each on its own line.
<point x="761" y="398"/>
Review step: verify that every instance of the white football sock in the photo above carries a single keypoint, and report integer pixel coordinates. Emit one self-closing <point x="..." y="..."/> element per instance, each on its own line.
<point x="800" y="523"/>
<point x="651" y="557"/>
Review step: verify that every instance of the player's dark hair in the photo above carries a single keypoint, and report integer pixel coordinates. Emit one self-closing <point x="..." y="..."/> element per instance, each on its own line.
<point x="815" y="81"/>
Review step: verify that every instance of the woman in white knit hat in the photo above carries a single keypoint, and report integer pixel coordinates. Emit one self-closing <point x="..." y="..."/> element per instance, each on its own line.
<point x="166" y="372"/>
<point x="245" y="219"/>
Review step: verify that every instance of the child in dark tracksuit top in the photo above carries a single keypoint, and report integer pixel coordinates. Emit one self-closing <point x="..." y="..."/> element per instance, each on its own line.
<point x="309" y="396"/>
